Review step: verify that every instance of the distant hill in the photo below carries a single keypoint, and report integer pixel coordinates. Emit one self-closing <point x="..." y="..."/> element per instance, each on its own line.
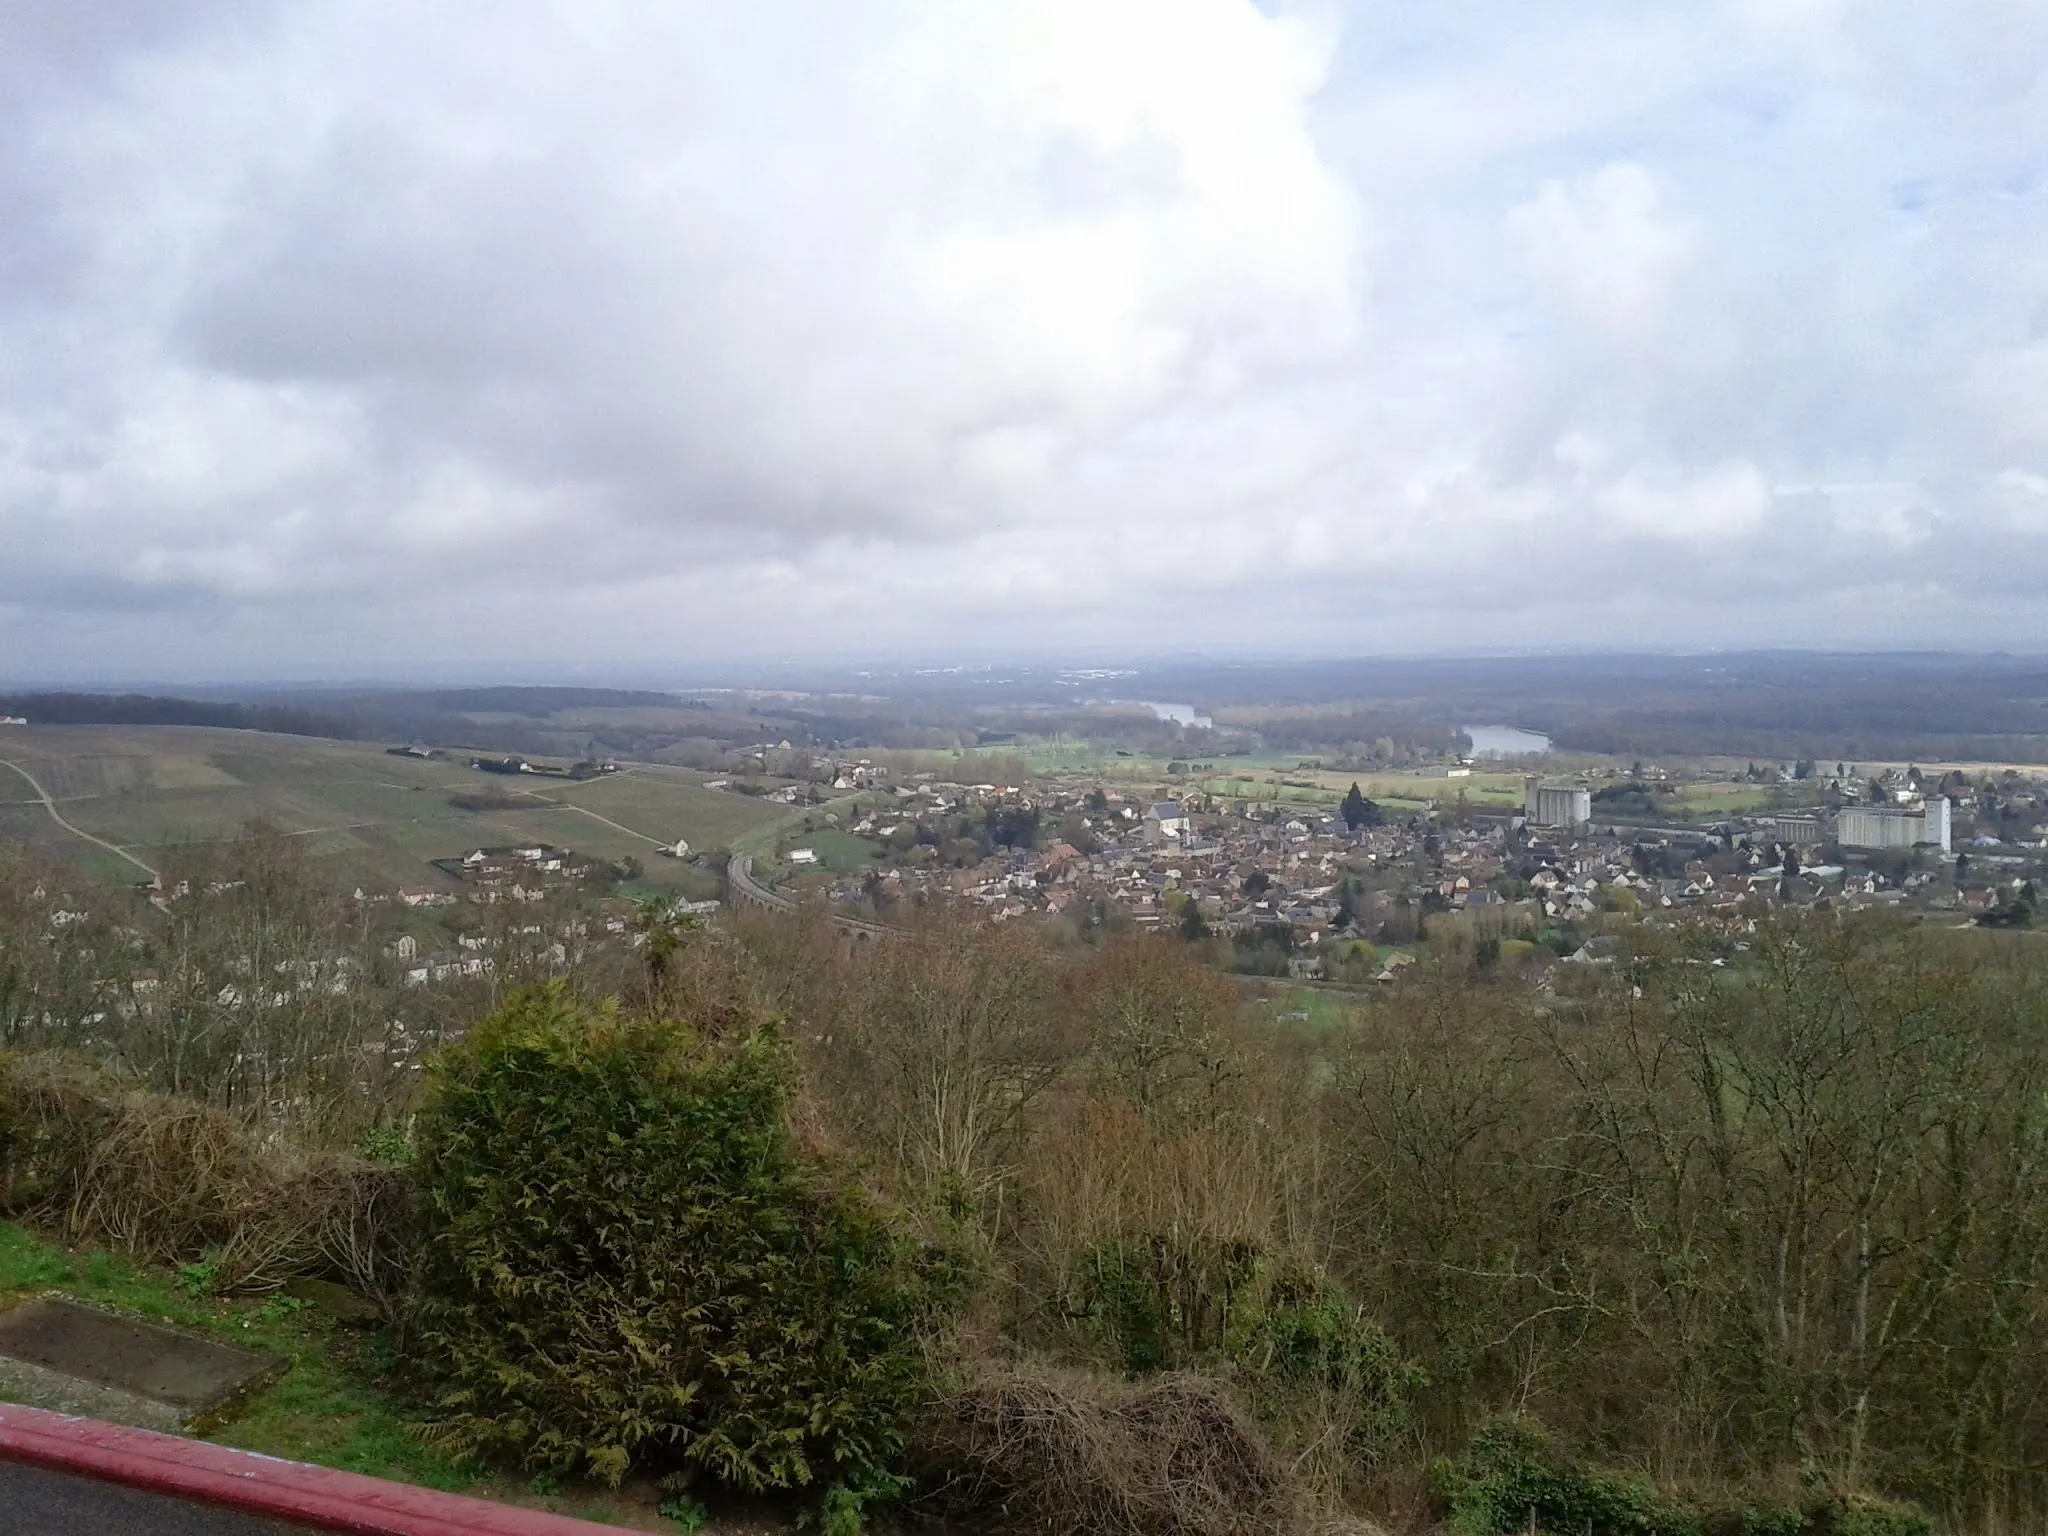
<point x="537" y="703"/>
<point x="150" y="709"/>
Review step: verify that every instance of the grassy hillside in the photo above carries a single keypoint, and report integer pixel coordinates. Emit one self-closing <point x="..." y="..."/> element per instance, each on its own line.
<point x="145" y="788"/>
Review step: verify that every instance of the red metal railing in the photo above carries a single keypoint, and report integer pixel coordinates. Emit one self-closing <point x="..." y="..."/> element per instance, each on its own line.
<point x="287" y="1491"/>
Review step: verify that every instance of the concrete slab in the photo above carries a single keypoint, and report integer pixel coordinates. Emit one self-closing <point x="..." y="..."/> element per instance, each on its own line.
<point x="62" y="1354"/>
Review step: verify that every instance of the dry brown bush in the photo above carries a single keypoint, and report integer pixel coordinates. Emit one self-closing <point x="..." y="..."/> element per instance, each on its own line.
<point x="174" y="1182"/>
<point x="1031" y="1449"/>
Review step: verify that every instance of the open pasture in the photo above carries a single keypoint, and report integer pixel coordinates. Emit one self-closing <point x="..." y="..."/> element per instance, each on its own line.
<point x="151" y="788"/>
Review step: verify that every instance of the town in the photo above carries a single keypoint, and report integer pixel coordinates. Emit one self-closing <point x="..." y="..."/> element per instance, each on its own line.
<point x="1328" y="890"/>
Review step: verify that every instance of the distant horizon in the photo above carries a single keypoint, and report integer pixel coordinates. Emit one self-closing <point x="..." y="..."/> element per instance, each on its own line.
<point x="786" y="669"/>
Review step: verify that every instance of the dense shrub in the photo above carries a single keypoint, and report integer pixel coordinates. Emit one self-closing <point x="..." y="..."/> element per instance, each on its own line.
<point x="1317" y="1366"/>
<point x="1318" y="1371"/>
<point x="627" y="1262"/>
<point x="1513" y="1478"/>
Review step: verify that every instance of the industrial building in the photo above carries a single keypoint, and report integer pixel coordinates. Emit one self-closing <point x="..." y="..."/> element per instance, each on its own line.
<point x="1556" y="805"/>
<point x="1886" y="826"/>
<point x="1795" y="830"/>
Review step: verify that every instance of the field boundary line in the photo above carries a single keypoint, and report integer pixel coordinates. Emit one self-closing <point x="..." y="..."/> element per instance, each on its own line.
<point x="57" y="816"/>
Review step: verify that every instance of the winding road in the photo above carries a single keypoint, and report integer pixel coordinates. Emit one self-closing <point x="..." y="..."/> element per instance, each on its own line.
<point x="57" y="816"/>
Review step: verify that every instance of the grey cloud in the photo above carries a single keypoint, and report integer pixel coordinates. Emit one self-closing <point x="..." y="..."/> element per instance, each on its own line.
<point x="1363" y="323"/>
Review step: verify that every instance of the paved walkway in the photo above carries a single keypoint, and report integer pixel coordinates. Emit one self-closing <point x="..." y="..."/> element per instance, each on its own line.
<point x="36" y="1502"/>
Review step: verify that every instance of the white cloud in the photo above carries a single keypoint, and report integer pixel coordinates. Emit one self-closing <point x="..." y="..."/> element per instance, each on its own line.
<point x="1727" y="504"/>
<point x="1609" y="245"/>
<point x="650" y="328"/>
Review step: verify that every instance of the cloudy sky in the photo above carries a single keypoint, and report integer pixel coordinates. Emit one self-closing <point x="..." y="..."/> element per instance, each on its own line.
<point x="345" y="338"/>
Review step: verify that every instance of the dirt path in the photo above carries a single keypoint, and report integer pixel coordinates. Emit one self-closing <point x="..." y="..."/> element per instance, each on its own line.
<point x="552" y="804"/>
<point x="57" y="816"/>
<point x="567" y="806"/>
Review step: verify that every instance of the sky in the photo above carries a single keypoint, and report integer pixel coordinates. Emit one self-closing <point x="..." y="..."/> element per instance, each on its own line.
<point x="596" y="338"/>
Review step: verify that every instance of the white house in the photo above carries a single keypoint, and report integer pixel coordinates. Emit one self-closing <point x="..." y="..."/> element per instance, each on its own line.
<point x="1168" y="819"/>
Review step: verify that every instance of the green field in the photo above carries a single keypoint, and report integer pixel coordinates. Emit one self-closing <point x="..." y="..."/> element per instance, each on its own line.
<point x="840" y="852"/>
<point x="149" y="788"/>
<point x="1723" y="799"/>
<point x="785" y="828"/>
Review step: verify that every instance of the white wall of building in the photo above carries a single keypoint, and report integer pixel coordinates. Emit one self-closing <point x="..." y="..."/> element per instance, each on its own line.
<point x="1873" y="826"/>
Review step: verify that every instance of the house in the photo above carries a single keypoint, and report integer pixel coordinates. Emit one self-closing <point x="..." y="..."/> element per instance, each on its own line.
<point x="803" y="856"/>
<point x="1167" y="819"/>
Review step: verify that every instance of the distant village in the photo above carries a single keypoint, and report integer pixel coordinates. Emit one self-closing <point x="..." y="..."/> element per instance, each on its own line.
<point x="1332" y="890"/>
<point x="1345" y="891"/>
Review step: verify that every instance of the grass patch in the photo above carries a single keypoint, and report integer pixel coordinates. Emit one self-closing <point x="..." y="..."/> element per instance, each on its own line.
<point x="1314" y="1006"/>
<point x="328" y="1408"/>
<point x="1726" y="799"/>
<point x="840" y="852"/>
<point x="789" y="826"/>
<point x="333" y="1408"/>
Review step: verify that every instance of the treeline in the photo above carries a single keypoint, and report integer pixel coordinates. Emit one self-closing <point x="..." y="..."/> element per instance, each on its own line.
<point x="1733" y="1226"/>
<point x="151" y="709"/>
<point x="1648" y="733"/>
<point x="256" y="987"/>
<point x="1668" y="1246"/>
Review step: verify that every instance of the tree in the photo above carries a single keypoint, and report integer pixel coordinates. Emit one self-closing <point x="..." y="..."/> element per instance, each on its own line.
<point x="1157" y="1023"/>
<point x="1791" y="863"/>
<point x="1353" y="808"/>
<point x="1358" y="811"/>
<point x="1193" y="926"/>
<point x="627" y="1258"/>
<point x="936" y="1043"/>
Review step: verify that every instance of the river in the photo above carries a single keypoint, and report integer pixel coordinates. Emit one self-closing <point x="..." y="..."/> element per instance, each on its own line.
<point x="1179" y="714"/>
<point x="1504" y="740"/>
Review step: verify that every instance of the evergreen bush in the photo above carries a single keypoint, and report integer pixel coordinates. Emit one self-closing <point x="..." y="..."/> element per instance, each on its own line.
<point x="1512" y="1478"/>
<point x="1316" y="1368"/>
<point x="625" y="1261"/>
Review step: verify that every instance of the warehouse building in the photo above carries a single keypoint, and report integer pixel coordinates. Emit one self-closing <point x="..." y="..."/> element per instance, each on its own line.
<point x="1902" y="826"/>
<point x="1556" y="805"/>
